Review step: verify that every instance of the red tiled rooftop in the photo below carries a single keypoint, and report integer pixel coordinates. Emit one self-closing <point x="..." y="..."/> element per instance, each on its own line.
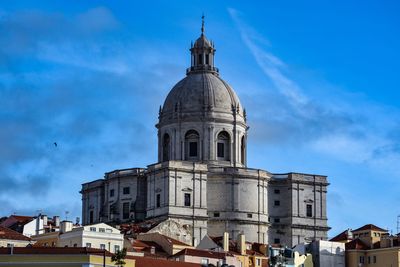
<point x="6" y="233"/>
<point x="370" y="227"/>
<point x="151" y="262"/>
<point x="340" y="237"/>
<point x="202" y="253"/>
<point x="54" y="250"/>
<point x="356" y="244"/>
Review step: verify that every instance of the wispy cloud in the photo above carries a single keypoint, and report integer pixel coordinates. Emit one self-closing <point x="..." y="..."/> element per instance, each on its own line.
<point x="332" y="126"/>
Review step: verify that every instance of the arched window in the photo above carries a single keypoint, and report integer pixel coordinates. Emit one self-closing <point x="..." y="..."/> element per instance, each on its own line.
<point x="165" y="147"/>
<point x="223" y="145"/>
<point x="242" y="150"/>
<point x="192" y="140"/>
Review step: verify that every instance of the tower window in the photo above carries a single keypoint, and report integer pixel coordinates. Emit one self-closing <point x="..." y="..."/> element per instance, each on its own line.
<point x="192" y="149"/>
<point x="158" y="200"/>
<point x="187" y="200"/>
<point x="126" y="190"/>
<point x="207" y="59"/>
<point x="112" y="192"/>
<point x="125" y="210"/>
<point x="277" y="191"/>
<point x="309" y="210"/>
<point x="200" y="59"/>
<point x="192" y="140"/>
<point x="91" y="215"/>
<point x="277" y="203"/>
<point x="223" y="142"/>
<point x="220" y="150"/>
<point x="242" y="150"/>
<point x="166" y="145"/>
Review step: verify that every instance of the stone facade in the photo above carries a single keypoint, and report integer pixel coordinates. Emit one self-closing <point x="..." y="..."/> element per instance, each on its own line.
<point x="201" y="180"/>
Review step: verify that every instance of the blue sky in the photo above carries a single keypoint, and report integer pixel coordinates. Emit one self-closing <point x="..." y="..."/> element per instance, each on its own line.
<point x="319" y="81"/>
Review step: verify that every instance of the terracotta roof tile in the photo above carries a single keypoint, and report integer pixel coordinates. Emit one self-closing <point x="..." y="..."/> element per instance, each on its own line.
<point x="54" y="250"/>
<point x="370" y="227"/>
<point x="356" y="244"/>
<point x="202" y="253"/>
<point x="151" y="262"/>
<point x="340" y="237"/>
<point x="6" y="233"/>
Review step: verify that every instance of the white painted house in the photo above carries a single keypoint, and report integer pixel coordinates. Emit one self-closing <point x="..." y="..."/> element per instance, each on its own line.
<point x="98" y="235"/>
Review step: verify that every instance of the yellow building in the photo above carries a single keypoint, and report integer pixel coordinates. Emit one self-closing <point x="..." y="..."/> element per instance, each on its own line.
<point x="372" y="247"/>
<point x="53" y="257"/>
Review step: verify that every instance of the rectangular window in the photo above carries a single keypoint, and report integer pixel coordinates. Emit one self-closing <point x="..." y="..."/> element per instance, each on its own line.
<point x="369" y="260"/>
<point x="361" y="259"/>
<point x="102" y="246"/>
<point x="216" y="214"/>
<point x="126" y="190"/>
<point x="249" y="215"/>
<point x="207" y="59"/>
<point x="102" y="230"/>
<point x="258" y="262"/>
<point x="108" y="230"/>
<point x="374" y="259"/>
<point x="277" y="191"/>
<point x="116" y="248"/>
<point x="88" y="245"/>
<point x="158" y="200"/>
<point x="201" y="59"/>
<point x="277" y="241"/>
<point x="220" y="150"/>
<point x="192" y="149"/>
<point x="112" y="191"/>
<point x="277" y="220"/>
<point x="92" y="229"/>
<point x="91" y="215"/>
<point x="125" y="210"/>
<point x="277" y="203"/>
<point x="187" y="199"/>
<point x="309" y="210"/>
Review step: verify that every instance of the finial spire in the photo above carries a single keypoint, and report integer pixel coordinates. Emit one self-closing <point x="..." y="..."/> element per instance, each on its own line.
<point x="202" y="24"/>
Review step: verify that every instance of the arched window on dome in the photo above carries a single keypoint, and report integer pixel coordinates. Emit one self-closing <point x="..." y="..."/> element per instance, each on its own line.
<point x="242" y="150"/>
<point x="166" y="147"/>
<point x="192" y="140"/>
<point x="223" y="146"/>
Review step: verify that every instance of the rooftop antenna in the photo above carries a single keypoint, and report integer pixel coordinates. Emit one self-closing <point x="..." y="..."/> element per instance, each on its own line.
<point x="66" y="215"/>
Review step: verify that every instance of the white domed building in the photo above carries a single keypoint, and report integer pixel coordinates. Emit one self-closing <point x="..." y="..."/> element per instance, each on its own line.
<point x="201" y="183"/>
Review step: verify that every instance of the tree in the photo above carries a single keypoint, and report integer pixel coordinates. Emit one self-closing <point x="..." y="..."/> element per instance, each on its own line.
<point x="119" y="257"/>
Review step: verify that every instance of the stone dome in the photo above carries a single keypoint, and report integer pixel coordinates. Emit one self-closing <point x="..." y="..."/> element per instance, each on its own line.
<point x="199" y="92"/>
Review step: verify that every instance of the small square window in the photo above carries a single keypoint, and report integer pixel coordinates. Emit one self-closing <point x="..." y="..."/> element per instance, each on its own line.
<point x="102" y="246"/>
<point x="277" y="241"/>
<point x="216" y="214"/>
<point x="126" y="190"/>
<point x="102" y="230"/>
<point x="277" y="191"/>
<point x="88" y="245"/>
<point x="249" y="215"/>
<point x="112" y="191"/>
<point x="277" y="220"/>
<point x="116" y="248"/>
<point x="92" y="229"/>
<point x="277" y="203"/>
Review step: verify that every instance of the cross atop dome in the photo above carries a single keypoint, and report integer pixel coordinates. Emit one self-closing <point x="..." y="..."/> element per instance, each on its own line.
<point x="202" y="54"/>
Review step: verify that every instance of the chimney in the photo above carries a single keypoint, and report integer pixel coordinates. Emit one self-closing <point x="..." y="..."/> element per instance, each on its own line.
<point x="226" y="241"/>
<point x="56" y="221"/>
<point x="38" y="224"/>
<point x="241" y="243"/>
<point x="65" y="226"/>
<point x="44" y="218"/>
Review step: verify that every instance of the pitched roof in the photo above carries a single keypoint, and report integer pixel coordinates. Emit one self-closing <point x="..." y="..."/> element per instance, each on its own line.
<point x="343" y="236"/>
<point x="174" y="241"/>
<point x="202" y="253"/>
<point x="54" y="250"/>
<point x="356" y="244"/>
<point x="6" y="233"/>
<point x="370" y="227"/>
<point x="151" y="262"/>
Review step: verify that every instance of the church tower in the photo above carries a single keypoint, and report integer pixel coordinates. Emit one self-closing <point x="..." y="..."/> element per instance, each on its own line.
<point x="202" y="119"/>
